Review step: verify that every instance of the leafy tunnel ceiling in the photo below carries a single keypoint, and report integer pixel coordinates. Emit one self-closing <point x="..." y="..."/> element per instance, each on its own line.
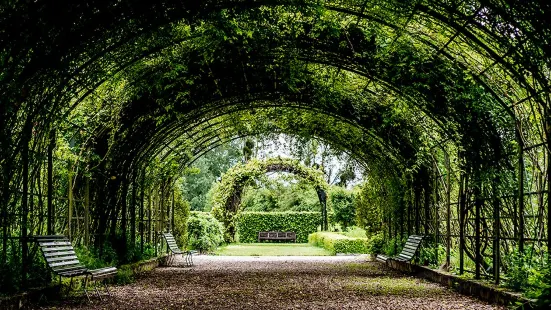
<point x="135" y="80"/>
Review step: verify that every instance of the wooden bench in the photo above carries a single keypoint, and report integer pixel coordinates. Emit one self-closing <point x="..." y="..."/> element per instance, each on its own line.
<point x="175" y="250"/>
<point x="408" y="252"/>
<point x="277" y="235"/>
<point x="62" y="260"/>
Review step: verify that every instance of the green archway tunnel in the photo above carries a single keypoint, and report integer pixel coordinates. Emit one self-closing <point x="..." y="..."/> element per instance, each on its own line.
<point x="450" y="97"/>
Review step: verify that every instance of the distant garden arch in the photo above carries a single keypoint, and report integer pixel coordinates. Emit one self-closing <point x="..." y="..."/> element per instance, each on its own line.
<point x="227" y="192"/>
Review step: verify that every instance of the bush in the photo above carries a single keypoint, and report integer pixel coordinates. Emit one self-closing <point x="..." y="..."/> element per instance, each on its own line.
<point x="204" y="231"/>
<point x="337" y="243"/>
<point x="376" y="243"/>
<point x="181" y="215"/>
<point x="342" y="203"/>
<point x="302" y="223"/>
<point x="355" y="232"/>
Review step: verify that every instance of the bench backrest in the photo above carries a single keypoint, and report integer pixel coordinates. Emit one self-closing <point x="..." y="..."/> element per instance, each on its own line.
<point x="171" y="242"/>
<point x="410" y="248"/>
<point x="59" y="254"/>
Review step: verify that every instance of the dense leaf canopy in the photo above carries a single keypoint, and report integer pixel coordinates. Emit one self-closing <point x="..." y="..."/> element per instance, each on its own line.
<point x="129" y="93"/>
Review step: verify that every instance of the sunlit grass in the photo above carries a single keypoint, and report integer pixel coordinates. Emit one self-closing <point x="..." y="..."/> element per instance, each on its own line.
<point x="271" y="249"/>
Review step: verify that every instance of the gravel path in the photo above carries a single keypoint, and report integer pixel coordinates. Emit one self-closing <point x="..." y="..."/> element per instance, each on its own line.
<point x="233" y="282"/>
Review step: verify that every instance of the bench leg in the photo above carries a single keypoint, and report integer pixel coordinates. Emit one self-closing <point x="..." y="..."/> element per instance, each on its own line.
<point x="84" y="288"/>
<point x="97" y="291"/>
<point x="107" y="289"/>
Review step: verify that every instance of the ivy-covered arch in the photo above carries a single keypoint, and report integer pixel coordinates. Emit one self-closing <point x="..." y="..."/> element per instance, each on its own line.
<point x="226" y="197"/>
<point x="124" y="93"/>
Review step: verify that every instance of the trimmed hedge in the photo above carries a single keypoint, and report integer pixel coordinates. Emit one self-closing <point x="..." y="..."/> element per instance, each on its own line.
<point x="302" y="223"/>
<point x="337" y="243"/>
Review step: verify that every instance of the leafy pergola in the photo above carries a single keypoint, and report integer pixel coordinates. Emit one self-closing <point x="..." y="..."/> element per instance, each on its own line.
<point x="104" y="103"/>
<point x="226" y="195"/>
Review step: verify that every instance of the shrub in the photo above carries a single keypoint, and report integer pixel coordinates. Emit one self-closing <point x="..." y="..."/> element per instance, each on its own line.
<point x="376" y="243"/>
<point x="181" y="215"/>
<point x="204" y="231"/>
<point x="529" y="272"/>
<point x="342" y="203"/>
<point x="355" y="232"/>
<point x="302" y="223"/>
<point x="338" y="243"/>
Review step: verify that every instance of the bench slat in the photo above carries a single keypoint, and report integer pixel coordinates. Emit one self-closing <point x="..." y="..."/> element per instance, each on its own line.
<point x="65" y="263"/>
<point x="61" y="258"/>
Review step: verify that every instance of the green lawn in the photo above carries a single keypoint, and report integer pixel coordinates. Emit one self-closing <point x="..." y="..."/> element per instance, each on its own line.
<point x="271" y="249"/>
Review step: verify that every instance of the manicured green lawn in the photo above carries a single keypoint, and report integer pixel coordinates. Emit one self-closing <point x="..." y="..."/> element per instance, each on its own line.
<point x="271" y="249"/>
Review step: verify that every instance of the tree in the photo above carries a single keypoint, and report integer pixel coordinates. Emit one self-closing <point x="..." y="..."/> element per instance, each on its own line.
<point x="342" y="202"/>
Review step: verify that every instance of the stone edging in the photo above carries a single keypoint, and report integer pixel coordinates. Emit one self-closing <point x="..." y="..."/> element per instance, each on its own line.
<point x="469" y="287"/>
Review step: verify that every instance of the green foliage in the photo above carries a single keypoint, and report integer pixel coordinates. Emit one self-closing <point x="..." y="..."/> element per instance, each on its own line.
<point x="205" y="233"/>
<point x="227" y="192"/>
<point x="203" y="174"/>
<point x="355" y="232"/>
<point x="125" y="275"/>
<point x="181" y="215"/>
<point x="341" y="201"/>
<point x="338" y="243"/>
<point x="428" y="254"/>
<point x="376" y="243"/>
<point x="302" y="223"/>
<point x="529" y="272"/>
<point x="280" y="194"/>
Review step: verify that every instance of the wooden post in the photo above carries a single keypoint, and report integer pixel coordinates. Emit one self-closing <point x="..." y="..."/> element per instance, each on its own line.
<point x="87" y="212"/>
<point x="51" y="212"/>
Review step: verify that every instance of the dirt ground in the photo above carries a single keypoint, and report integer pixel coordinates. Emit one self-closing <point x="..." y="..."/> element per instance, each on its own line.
<point x="222" y="282"/>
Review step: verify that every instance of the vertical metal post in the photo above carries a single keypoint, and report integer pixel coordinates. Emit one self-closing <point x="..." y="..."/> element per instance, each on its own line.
<point x="478" y="255"/>
<point x="461" y="222"/>
<point x="142" y="224"/>
<point x="150" y="217"/>
<point x="496" y="233"/>
<point x="50" y="217"/>
<point x="409" y="206"/>
<point x="87" y="212"/>
<point x="172" y="213"/>
<point x="133" y="212"/>
<point x="520" y="190"/>
<point x="71" y="202"/>
<point x="426" y="205"/>
<point x="25" y="206"/>
<point x="548" y="151"/>
<point x="417" y="206"/>
<point x="436" y="213"/>
<point x="448" y="209"/>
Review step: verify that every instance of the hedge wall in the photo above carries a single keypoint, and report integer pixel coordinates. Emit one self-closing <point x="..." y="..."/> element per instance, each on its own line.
<point x="337" y="243"/>
<point x="302" y="223"/>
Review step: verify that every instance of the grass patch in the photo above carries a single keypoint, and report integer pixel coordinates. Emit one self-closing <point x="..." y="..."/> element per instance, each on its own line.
<point x="271" y="249"/>
<point x="409" y="287"/>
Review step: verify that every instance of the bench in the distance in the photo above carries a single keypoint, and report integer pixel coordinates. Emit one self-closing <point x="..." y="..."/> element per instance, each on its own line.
<point x="408" y="252"/>
<point x="174" y="250"/>
<point x="61" y="258"/>
<point x="277" y="235"/>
